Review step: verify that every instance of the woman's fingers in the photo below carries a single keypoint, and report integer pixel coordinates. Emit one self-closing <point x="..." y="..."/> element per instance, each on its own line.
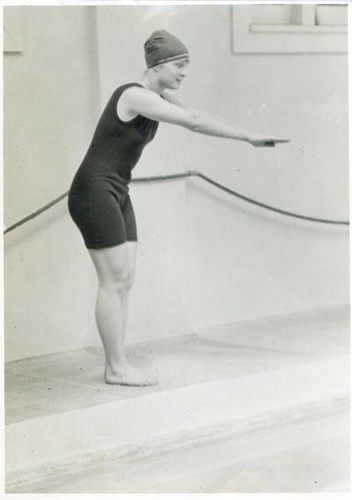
<point x="268" y="143"/>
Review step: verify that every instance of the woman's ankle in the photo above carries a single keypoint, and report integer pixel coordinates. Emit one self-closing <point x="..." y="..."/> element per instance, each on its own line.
<point x="116" y="365"/>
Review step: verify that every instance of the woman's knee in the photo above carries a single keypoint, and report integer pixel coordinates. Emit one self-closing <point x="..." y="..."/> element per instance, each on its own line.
<point x="130" y="279"/>
<point x="113" y="268"/>
<point x="118" y="280"/>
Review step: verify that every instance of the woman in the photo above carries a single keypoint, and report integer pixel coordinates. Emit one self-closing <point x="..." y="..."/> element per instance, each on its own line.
<point x="99" y="202"/>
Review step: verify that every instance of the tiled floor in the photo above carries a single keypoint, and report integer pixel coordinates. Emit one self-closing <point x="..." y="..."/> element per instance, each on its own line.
<point x="59" y="383"/>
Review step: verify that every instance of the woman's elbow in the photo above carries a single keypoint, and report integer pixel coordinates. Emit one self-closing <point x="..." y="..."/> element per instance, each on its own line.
<point x="193" y="122"/>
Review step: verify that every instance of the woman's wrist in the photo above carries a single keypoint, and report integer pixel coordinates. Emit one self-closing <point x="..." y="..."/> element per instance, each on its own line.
<point x="247" y="137"/>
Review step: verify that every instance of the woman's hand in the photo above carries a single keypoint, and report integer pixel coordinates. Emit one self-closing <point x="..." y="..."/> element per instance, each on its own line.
<point x="266" y="142"/>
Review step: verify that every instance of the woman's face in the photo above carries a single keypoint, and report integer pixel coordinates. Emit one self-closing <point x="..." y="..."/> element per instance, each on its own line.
<point x="172" y="73"/>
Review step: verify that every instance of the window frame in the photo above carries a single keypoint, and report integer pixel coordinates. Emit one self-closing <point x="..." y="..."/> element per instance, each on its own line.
<point x="305" y="37"/>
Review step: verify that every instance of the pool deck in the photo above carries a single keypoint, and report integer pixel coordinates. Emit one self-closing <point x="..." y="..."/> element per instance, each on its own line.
<point x="245" y="383"/>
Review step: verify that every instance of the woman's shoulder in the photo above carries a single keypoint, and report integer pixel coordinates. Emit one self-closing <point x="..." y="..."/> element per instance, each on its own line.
<point x="128" y="85"/>
<point x="127" y="90"/>
<point x="124" y="90"/>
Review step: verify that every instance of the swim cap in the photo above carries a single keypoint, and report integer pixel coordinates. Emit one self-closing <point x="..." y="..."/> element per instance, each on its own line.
<point x="163" y="47"/>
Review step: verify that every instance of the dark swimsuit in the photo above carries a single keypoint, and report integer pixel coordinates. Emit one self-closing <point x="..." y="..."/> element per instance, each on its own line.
<point x="98" y="200"/>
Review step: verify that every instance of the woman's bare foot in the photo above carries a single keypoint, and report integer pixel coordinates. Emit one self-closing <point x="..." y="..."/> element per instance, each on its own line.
<point x="128" y="375"/>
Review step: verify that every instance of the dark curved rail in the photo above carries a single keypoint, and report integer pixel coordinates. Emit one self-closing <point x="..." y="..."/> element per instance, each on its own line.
<point x="189" y="173"/>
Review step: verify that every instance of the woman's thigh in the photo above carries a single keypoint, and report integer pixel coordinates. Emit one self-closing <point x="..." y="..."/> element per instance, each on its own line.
<point x="130" y="220"/>
<point x="99" y="218"/>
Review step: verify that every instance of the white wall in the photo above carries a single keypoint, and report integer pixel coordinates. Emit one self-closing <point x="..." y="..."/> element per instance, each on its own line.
<point x="48" y="116"/>
<point x="160" y="296"/>
<point x="203" y="259"/>
<point x="247" y="263"/>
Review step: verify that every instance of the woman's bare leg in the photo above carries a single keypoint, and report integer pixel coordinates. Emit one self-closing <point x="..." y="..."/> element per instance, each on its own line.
<point x="132" y="254"/>
<point x="115" y="268"/>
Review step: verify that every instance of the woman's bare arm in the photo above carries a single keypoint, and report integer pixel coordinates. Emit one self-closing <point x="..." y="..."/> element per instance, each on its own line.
<point x="149" y="104"/>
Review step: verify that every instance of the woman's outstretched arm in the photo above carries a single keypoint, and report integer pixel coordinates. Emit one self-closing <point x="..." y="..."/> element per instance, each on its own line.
<point x="149" y="104"/>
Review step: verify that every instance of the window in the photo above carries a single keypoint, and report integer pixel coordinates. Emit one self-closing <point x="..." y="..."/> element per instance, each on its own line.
<point x="290" y="28"/>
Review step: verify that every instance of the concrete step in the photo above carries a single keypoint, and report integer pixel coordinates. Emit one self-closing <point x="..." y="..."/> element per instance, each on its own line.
<point x="297" y="449"/>
<point x="37" y="442"/>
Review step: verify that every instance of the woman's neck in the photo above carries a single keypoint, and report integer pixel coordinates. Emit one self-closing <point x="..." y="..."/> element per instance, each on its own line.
<point x="150" y="82"/>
